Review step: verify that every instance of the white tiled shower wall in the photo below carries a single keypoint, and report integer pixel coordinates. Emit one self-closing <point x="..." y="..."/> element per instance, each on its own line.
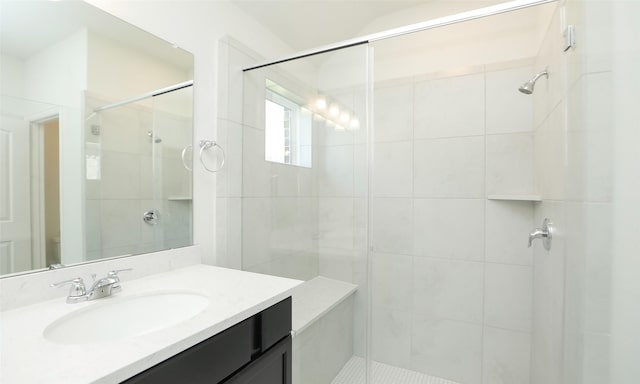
<point x="137" y="175"/>
<point x="452" y="274"/>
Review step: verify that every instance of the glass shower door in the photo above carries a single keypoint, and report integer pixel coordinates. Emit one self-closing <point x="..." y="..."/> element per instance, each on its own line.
<point x="170" y="170"/>
<point x="304" y="200"/>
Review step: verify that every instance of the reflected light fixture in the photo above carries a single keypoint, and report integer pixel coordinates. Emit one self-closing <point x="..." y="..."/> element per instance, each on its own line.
<point x="321" y="104"/>
<point x="334" y="110"/>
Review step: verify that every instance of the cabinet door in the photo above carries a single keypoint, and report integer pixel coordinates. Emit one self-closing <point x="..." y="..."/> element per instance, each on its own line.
<point x="273" y="367"/>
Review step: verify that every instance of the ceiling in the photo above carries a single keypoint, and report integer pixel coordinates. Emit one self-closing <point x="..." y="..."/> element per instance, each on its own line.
<point x="304" y="24"/>
<point x="28" y="27"/>
<point x="307" y="24"/>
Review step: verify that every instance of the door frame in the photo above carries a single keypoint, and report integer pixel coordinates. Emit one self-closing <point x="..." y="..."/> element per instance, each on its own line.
<point x="36" y="126"/>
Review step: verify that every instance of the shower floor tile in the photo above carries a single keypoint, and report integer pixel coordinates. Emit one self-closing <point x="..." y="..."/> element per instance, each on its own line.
<point x="353" y="373"/>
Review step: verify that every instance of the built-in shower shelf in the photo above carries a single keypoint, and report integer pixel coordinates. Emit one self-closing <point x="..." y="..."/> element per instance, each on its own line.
<point x="515" y="197"/>
<point x="179" y="198"/>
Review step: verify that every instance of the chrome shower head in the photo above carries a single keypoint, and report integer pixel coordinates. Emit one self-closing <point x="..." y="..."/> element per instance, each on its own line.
<point x="527" y="88"/>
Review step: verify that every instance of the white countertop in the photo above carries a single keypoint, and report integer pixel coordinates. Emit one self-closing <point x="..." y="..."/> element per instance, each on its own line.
<point x="27" y="357"/>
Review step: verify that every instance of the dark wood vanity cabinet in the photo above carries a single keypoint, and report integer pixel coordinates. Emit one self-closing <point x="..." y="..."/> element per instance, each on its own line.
<point x="255" y="351"/>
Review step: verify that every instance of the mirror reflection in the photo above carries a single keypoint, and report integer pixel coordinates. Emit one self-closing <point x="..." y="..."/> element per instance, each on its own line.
<point x="95" y="115"/>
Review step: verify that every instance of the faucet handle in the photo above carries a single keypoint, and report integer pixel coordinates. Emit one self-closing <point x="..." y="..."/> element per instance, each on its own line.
<point x="77" y="286"/>
<point x="544" y="233"/>
<point x="114" y="273"/>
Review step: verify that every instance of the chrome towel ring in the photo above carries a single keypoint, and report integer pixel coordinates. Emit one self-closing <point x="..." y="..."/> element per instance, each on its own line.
<point x="204" y="145"/>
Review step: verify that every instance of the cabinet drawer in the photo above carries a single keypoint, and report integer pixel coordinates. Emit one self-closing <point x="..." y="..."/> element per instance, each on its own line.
<point x="207" y="362"/>
<point x="274" y="323"/>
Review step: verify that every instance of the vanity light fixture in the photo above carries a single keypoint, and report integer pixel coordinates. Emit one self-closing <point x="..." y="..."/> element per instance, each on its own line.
<point x="334" y="110"/>
<point x="321" y="104"/>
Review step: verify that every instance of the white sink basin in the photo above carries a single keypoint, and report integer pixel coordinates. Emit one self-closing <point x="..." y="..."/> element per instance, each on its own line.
<point x="118" y="318"/>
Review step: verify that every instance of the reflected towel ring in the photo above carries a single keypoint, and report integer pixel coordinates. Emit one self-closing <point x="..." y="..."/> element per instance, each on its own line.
<point x="206" y="144"/>
<point x="184" y="163"/>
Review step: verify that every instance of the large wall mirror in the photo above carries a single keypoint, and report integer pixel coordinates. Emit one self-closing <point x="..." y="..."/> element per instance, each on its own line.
<point x="95" y="136"/>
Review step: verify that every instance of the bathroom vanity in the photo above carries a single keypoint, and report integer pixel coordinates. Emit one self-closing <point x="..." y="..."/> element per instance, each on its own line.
<point x="257" y="350"/>
<point x="198" y="324"/>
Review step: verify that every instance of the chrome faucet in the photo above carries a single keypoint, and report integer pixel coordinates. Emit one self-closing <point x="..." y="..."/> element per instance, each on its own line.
<point x="544" y="233"/>
<point x="103" y="287"/>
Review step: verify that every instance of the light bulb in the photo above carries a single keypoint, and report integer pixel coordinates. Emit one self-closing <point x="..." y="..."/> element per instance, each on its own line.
<point x="321" y="103"/>
<point x="344" y="117"/>
<point x="355" y="123"/>
<point x="334" y="110"/>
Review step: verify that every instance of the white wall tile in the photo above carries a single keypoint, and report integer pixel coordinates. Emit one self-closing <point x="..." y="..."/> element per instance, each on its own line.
<point x="449" y="107"/>
<point x="336" y="171"/>
<point x="508" y="110"/>
<point x="597" y="358"/>
<point x="549" y="144"/>
<point x="229" y="232"/>
<point x="327" y="135"/>
<point x="393" y="119"/>
<point x="508" y="224"/>
<point x="446" y="348"/>
<point x="120" y="130"/>
<point x="598" y="268"/>
<point x="548" y="301"/>
<point x="93" y="211"/>
<point x="293" y="223"/>
<point x="335" y="222"/>
<point x="449" y="228"/>
<point x="337" y="264"/>
<point x="229" y="178"/>
<point x="508" y="296"/>
<point x="391" y="336"/>
<point x="120" y="222"/>
<point x="256" y="173"/>
<point x="256" y="227"/>
<point x="392" y="281"/>
<point x="393" y="169"/>
<point x="449" y="167"/>
<point x="392" y="225"/>
<point x="118" y="170"/>
<point x="253" y="99"/>
<point x="506" y="356"/>
<point x="448" y="289"/>
<point x="510" y="164"/>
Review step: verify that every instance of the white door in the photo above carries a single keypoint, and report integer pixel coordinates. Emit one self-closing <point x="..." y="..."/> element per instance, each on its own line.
<point x="15" y="196"/>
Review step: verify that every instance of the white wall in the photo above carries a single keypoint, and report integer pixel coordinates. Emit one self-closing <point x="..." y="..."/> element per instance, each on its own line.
<point x="109" y="76"/>
<point x="57" y="75"/>
<point x="625" y="45"/>
<point x="197" y="26"/>
<point x="12" y="75"/>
